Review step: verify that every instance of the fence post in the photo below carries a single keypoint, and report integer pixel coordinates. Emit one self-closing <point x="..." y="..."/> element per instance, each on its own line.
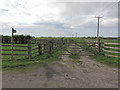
<point x="40" y="49"/>
<point x="45" y="46"/>
<point x="103" y="48"/>
<point x="99" y="45"/>
<point x="29" y="49"/>
<point x="52" y="44"/>
<point x="50" y="47"/>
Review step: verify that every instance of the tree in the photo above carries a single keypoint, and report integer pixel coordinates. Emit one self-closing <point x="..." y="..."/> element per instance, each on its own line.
<point x="16" y="38"/>
<point x="6" y="39"/>
<point x="28" y="37"/>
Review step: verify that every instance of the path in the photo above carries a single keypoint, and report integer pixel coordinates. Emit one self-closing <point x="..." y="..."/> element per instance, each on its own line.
<point x="66" y="73"/>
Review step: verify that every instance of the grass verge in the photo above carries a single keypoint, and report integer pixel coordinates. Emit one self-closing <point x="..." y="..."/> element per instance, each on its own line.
<point x="74" y="55"/>
<point x="39" y="60"/>
<point x="111" y="61"/>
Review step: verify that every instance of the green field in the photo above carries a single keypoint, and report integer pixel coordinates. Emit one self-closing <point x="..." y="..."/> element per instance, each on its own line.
<point x="106" y="40"/>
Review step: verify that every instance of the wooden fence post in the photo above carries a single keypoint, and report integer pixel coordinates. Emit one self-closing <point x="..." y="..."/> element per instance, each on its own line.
<point x="52" y="44"/>
<point x="99" y="45"/>
<point x="12" y="45"/>
<point x="29" y="49"/>
<point x="40" y="49"/>
<point x="50" y="47"/>
<point x="103" y="48"/>
<point x="45" y="46"/>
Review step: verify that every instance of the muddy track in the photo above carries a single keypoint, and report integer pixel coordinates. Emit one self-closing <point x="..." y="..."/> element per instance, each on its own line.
<point x="66" y="73"/>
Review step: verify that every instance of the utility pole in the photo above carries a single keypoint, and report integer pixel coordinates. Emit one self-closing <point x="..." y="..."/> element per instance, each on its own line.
<point x="72" y="35"/>
<point x="76" y="34"/>
<point x="98" y="26"/>
<point x="98" y="33"/>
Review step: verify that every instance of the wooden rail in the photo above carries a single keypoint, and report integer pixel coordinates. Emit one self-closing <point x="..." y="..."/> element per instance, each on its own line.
<point x="112" y="49"/>
<point x="14" y="54"/>
<point x="112" y="55"/>
<point x="6" y="45"/>
<point x="41" y="47"/>
<point x="19" y="46"/>
<point x="6" y="49"/>
<point x="113" y="43"/>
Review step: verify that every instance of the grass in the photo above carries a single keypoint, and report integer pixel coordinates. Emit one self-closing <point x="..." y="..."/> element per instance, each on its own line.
<point x="111" y="61"/>
<point x="111" y="49"/>
<point x="74" y="55"/>
<point x="8" y="57"/>
<point x="78" y="39"/>
<point x="116" y="54"/>
<point x="106" y="40"/>
<point x="111" y="45"/>
<point x="42" y="59"/>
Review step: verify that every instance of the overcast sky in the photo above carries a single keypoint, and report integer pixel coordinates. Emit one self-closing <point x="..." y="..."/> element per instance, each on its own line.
<point x="43" y="18"/>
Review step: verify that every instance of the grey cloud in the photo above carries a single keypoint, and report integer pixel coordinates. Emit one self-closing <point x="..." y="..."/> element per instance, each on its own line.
<point x="88" y="8"/>
<point x="54" y="24"/>
<point x="73" y="14"/>
<point x="3" y="11"/>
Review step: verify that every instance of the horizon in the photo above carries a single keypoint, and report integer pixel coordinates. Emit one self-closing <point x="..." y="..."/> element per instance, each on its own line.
<point x="61" y="36"/>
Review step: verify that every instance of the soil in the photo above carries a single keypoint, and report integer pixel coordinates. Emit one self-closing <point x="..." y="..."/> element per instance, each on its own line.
<point x="65" y="73"/>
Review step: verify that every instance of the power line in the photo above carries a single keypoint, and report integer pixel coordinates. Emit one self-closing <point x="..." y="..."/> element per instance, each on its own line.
<point x="103" y="10"/>
<point x="107" y="11"/>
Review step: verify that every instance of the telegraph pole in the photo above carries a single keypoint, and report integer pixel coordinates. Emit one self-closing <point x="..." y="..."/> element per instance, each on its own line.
<point x="98" y="33"/>
<point x="76" y="34"/>
<point x="72" y="35"/>
<point x="98" y="26"/>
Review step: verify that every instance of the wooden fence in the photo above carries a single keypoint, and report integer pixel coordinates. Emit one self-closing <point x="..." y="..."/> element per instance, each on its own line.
<point x="94" y="46"/>
<point x="37" y="47"/>
<point x="13" y="49"/>
<point x="112" y="49"/>
<point x="108" y="49"/>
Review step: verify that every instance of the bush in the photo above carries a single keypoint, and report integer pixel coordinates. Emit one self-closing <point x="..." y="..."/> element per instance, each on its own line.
<point x="6" y="39"/>
<point x="18" y="39"/>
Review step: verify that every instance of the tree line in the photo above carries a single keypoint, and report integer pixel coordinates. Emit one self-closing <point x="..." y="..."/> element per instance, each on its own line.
<point x="18" y="39"/>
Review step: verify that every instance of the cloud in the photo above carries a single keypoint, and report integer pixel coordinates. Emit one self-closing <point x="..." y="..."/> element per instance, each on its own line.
<point x="110" y="22"/>
<point x="53" y="18"/>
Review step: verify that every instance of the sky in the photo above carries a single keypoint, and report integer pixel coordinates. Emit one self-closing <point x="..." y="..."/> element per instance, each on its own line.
<point x="58" y="18"/>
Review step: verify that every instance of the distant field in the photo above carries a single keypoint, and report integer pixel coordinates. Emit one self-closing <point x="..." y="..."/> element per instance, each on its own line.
<point x="106" y="40"/>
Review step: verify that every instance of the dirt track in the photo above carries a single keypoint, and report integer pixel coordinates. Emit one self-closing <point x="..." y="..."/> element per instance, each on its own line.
<point x="66" y="73"/>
